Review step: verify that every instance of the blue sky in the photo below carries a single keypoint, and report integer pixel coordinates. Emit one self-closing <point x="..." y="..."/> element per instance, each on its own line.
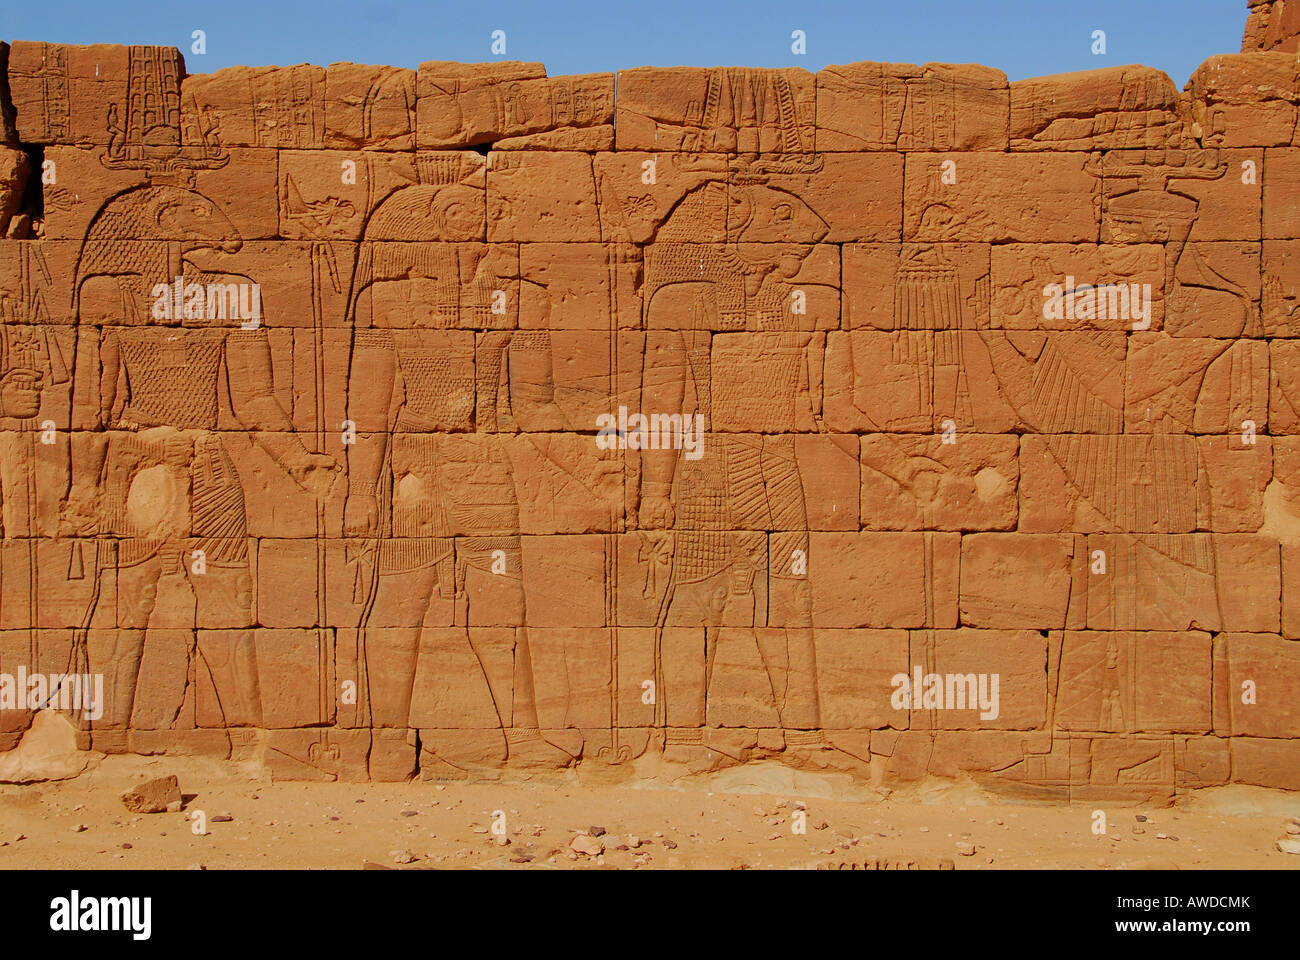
<point x="1023" y="37"/>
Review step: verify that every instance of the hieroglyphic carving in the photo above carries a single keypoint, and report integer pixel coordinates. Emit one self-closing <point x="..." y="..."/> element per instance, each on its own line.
<point x="891" y="106"/>
<point x="44" y="89"/>
<point x="370" y="107"/>
<point x="256" y="107"/>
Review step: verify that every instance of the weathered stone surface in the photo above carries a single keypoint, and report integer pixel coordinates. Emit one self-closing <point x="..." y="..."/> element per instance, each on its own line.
<point x="1280" y="260"/>
<point x="469" y="104"/>
<point x="369" y="422"/>
<point x="1272" y="25"/>
<point x="922" y="483"/>
<point x="1015" y="580"/>
<point x="1282" y="509"/>
<point x="898" y="106"/>
<point x="369" y="108"/>
<point x="1000" y="198"/>
<point x="1234" y="475"/>
<point x="538" y="196"/>
<point x="153" y="796"/>
<point x="1281" y="220"/>
<point x="1203" y="761"/>
<point x="14" y="171"/>
<point x="1266" y="763"/>
<point x="883" y="579"/>
<point x="855" y="668"/>
<point x="1109" y="109"/>
<point x="1007" y="669"/>
<point x="1245" y="100"/>
<point x="1255" y="686"/>
<point x="578" y="286"/>
<point x="1284" y="387"/>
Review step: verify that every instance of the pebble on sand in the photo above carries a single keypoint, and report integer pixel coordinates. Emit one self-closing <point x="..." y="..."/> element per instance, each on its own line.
<point x="585" y="844"/>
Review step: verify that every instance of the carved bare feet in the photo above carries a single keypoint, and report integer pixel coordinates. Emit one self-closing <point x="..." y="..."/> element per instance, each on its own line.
<point x="708" y="750"/>
<point x="527" y="750"/>
<point x="810" y="749"/>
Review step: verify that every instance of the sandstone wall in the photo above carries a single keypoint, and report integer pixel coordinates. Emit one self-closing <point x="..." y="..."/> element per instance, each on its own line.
<point x="1272" y="25"/>
<point x="994" y="380"/>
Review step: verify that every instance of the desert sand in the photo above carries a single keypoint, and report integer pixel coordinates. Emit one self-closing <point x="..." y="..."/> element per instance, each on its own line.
<point x="738" y="819"/>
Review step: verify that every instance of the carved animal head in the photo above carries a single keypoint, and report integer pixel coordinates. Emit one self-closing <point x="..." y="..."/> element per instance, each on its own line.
<point x="132" y="233"/>
<point x="764" y="214"/>
<point x="752" y="212"/>
<point x="165" y="213"/>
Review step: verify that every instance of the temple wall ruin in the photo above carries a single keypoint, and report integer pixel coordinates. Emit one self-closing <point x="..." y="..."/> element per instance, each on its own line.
<point x="891" y="420"/>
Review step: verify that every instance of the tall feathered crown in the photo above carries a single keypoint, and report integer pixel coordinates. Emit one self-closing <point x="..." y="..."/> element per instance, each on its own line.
<point x="150" y="137"/>
<point x="438" y="169"/>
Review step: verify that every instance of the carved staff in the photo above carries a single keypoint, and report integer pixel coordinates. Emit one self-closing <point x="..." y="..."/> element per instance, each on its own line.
<point x="323" y="262"/>
<point x="614" y="751"/>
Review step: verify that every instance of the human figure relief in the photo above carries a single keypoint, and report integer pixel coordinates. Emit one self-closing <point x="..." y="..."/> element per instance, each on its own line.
<point x="33" y="375"/>
<point x="431" y="487"/>
<point x="160" y="480"/>
<point x="722" y="505"/>
<point x="1143" y="485"/>
<point x="1150" y="202"/>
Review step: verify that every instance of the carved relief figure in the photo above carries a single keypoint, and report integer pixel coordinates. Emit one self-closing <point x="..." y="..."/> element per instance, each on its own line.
<point x="160" y="478"/>
<point x="431" y="484"/>
<point x="723" y="504"/>
<point x="1153" y="210"/>
<point x="155" y="473"/>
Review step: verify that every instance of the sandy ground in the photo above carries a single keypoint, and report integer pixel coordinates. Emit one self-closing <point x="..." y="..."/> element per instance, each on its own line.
<point x="737" y="819"/>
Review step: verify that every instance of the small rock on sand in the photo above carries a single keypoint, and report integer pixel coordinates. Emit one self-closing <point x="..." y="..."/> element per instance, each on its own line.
<point x="153" y="796"/>
<point x="1288" y="844"/>
<point x="586" y="844"/>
